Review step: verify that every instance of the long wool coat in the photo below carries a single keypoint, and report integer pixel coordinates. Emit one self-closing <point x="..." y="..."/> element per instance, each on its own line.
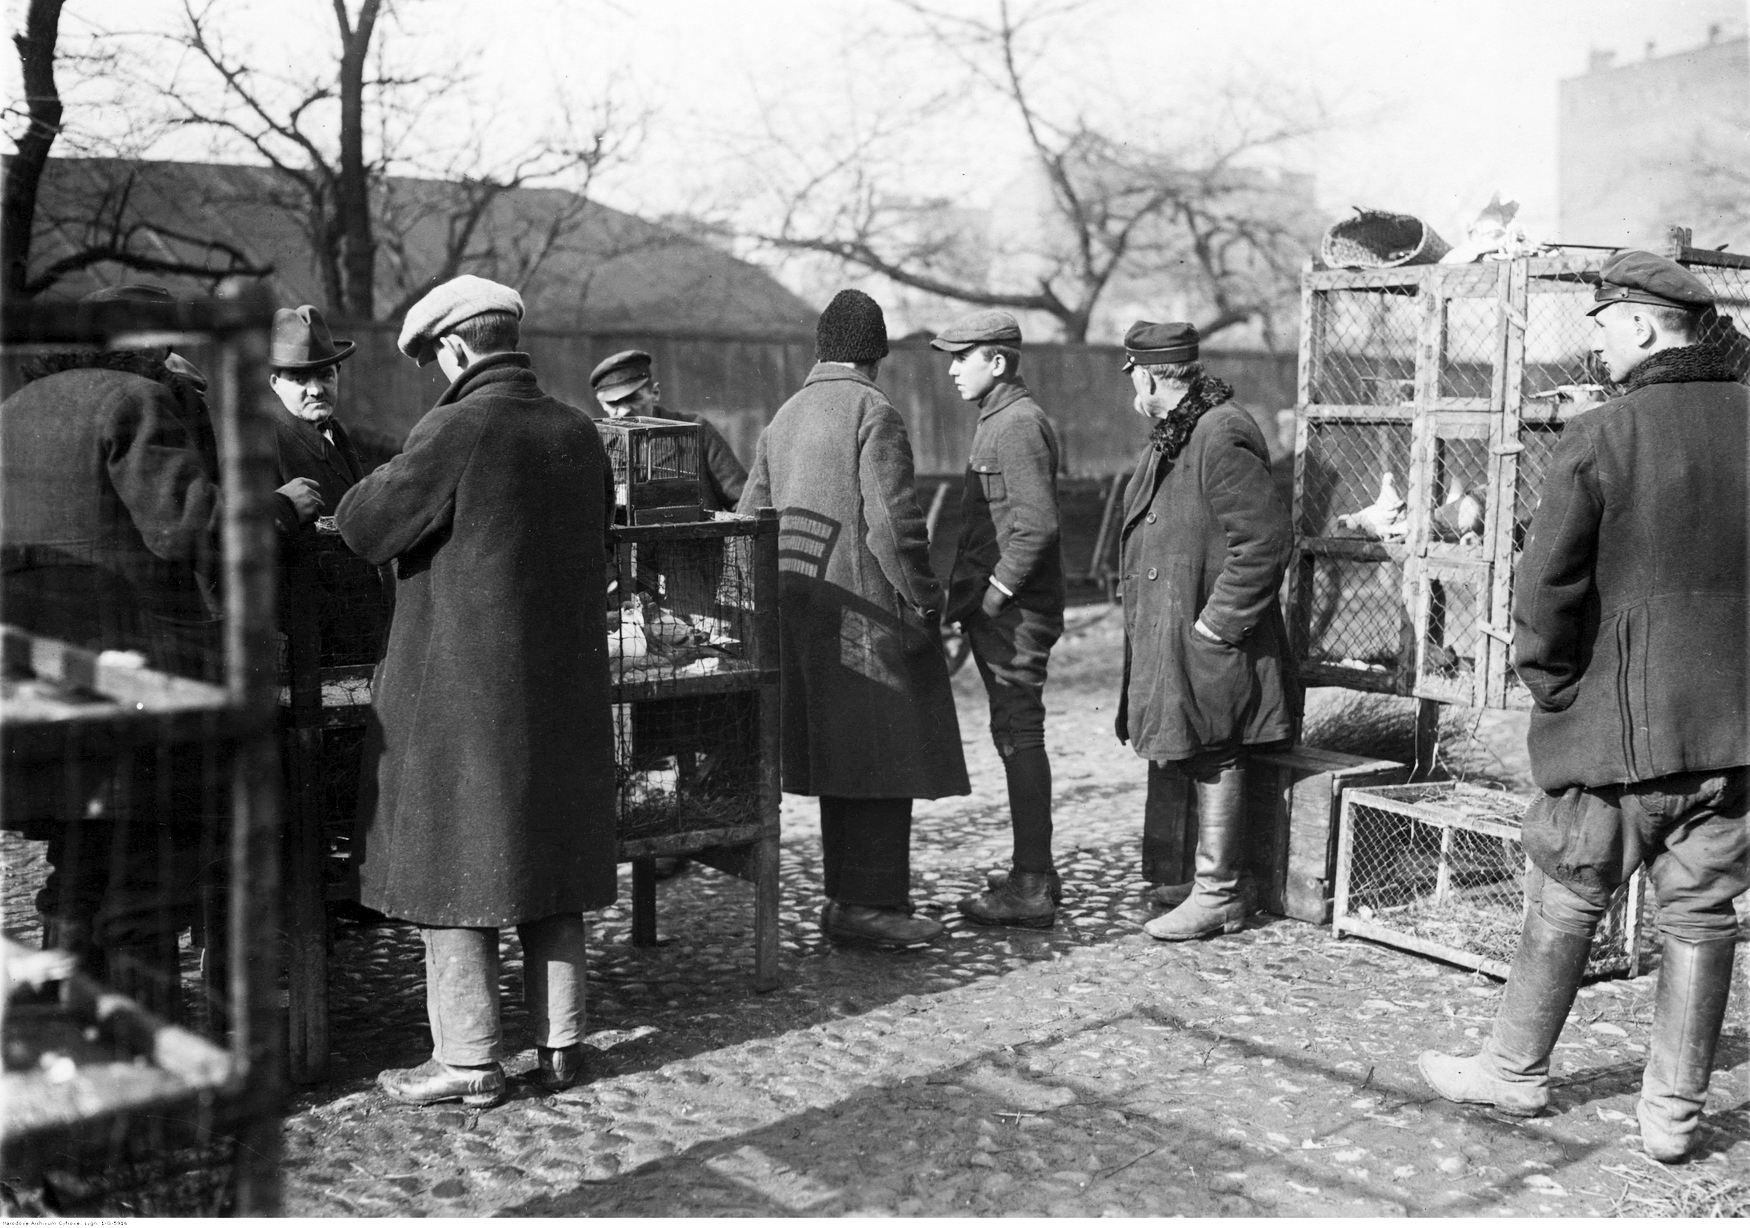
<point x="1631" y="607"/>
<point x="1205" y="535"/>
<point x="488" y="789"/>
<point x="867" y="710"/>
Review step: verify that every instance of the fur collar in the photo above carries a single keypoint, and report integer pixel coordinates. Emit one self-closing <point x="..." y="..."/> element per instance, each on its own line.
<point x="148" y="364"/>
<point x="1173" y="432"/>
<point x="1687" y="364"/>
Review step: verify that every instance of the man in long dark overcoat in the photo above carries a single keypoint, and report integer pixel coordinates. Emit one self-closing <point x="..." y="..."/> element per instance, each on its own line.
<point x="1006" y="592"/>
<point x="489" y="799"/>
<point x="868" y="716"/>
<point x="1631" y="616"/>
<point x="1207" y="674"/>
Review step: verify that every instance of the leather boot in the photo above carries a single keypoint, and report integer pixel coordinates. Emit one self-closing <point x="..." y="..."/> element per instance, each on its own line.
<point x="1168" y="895"/>
<point x="557" y="1070"/>
<point x="1053" y="884"/>
<point x="433" y="1082"/>
<point x="891" y="929"/>
<point x="1689" y="1006"/>
<point x="1024" y="899"/>
<point x="1512" y="1071"/>
<point x="1215" y="904"/>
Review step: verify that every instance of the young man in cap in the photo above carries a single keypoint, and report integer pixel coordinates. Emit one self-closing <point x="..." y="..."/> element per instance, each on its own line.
<point x="488" y="797"/>
<point x="625" y="387"/>
<point x="1207" y="676"/>
<point x="868" y="721"/>
<point x="1006" y="592"/>
<point x="1630" y="612"/>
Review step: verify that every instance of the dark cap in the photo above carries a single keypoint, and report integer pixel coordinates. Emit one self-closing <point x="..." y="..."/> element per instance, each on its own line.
<point x="1641" y="277"/>
<point x="618" y="376"/>
<point x="979" y="328"/>
<point x="301" y="341"/>
<point x="130" y="292"/>
<point x="851" y="329"/>
<point x="1149" y="344"/>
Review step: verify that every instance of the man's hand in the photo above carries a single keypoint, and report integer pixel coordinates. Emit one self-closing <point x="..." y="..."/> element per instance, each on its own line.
<point x="306" y="498"/>
<point x="994" y="601"/>
<point x="1202" y="628"/>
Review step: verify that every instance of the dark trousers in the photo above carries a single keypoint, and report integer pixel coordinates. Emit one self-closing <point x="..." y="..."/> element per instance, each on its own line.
<point x="1012" y="651"/>
<point x="866" y="850"/>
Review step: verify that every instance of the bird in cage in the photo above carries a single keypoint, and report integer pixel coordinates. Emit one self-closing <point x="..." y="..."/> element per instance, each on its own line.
<point x="1386" y="519"/>
<point x="1460" y="518"/>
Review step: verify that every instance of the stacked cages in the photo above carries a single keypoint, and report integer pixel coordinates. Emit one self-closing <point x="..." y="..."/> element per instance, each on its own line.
<point x="693" y="653"/>
<point x="141" y="775"/>
<point x="659" y="469"/>
<point x="1439" y="869"/>
<point x="1431" y="400"/>
<point x="334" y="621"/>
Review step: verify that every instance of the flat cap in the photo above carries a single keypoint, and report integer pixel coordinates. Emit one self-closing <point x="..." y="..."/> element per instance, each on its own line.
<point x="620" y="375"/>
<point x="460" y="298"/>
<point x="1642" y="277"/>
<point x="978" y="328"/>
<point x="1149" y="344"/>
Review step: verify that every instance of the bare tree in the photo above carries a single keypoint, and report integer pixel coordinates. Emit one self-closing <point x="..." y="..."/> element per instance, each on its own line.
<point x="1200" y="213"/>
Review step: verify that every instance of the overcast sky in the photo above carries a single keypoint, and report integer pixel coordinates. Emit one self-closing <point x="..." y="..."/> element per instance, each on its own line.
<point x="1444" y="100"/>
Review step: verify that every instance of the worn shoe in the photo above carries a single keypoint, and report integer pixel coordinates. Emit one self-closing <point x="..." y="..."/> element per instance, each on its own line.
<point x="885" y="928"/>
<point x="1054" y="884"/>
<point x="434" y="1083"/>
<point x="1023" y="899"/>
<point x="557" y="1070"/>
<point x="1193" y="919"/>
<point x="1473" y="1080"/>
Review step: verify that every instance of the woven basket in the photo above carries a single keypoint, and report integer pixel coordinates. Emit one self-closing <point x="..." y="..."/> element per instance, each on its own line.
<point x="1375" y="240"/>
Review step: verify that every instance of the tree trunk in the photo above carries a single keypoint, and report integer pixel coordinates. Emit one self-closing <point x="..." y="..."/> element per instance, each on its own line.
<point x="36" y="55"/>
<point x="357" y="245"/>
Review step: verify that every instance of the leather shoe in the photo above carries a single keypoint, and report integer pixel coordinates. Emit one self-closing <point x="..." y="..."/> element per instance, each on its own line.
<point x="434" y="1082"/>
<point x="996" y="878"/>
<point x="556" y="1070"/>
<point x="885" y="928"/>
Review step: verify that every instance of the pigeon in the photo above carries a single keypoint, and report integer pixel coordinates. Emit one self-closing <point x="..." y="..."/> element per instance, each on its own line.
<point x="1460" y="518"/>
<point x="1385" y="518"/>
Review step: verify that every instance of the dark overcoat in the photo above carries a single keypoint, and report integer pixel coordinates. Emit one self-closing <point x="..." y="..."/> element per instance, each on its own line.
<point x="1205" y="536"/>
<point x="1631" y="605"/>
<point x="110" y="512"/>
<point x="867" y="709"/>
<point x="488" y="792"/>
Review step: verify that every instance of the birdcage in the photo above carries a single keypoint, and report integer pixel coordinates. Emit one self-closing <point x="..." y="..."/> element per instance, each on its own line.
<point x="1439" y="869"/>
<point x="658" y="469"/>
<point x="141" y="774"/>
<point x="693" y="653"/>
<point x="1432" y="398"/>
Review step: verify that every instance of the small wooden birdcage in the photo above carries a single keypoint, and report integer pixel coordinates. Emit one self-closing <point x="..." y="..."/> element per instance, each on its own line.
<point x="658" y="469"/>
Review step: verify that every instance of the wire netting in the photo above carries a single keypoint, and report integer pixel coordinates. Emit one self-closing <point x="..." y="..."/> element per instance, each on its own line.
<point x="1353" y="479"/>
<point x="1367" y="354"/>
<point x="1354" y="612"/>
<point x="1452" y="642"/>
<point x="1457" y="494"/>
<point x="1471" y="347"/>
<point x="1441" y="865"/>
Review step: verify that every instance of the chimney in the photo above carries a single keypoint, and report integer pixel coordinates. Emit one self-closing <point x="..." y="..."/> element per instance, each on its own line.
<point x="1599" y="61"/>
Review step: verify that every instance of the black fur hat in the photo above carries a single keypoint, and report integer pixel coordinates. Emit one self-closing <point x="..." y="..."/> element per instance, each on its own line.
<point x="851" y="329"/>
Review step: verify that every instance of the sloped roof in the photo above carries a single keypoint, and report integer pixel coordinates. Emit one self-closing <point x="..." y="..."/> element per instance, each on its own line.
<point x="578" y="264"/>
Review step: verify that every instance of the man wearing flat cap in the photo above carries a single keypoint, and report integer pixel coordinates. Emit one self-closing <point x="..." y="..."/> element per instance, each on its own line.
<point x="1006" y="592"/>
<point x="868" y="721"/>
<point x="488" y="798"/>
<point x="1207" y="672"/>
<point x="626" y="388"/>
<point x="1630" y="612"/>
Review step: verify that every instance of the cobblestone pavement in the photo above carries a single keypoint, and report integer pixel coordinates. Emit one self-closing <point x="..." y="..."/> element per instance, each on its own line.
<point x="1084" y="1070"/>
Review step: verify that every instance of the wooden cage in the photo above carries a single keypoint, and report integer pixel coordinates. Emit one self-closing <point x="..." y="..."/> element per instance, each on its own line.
<point x="1431" y="400"/>
<point x="93" y="1081"/>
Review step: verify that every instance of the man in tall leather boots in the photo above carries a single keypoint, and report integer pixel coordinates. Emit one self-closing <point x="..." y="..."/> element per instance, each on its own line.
<point x="1630" y="614"/>
<point x="1207" y="675"/>
<point x="1006" y="592"/>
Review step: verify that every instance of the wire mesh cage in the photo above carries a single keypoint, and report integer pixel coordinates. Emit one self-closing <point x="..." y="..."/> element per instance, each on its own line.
<point x="1439" y="869"/>
<point x="141" y="783"/>
<point x="658" y="469"/>
<point x="1432" y="400"/>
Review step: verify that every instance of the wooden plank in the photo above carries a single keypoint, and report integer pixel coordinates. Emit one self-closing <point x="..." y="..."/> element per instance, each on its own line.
<point x="1361" y="414"/>
<point x="725" y="524"/>
<point x="1504" y="479"/>
<point x="723" y="682"/>
<point x="122" y="678"/>
<point x="1354" y="548"/>
<point x="1361" y="927"/>
<point x="687" y="843"/>
<point x="306" y="912"/>
<point x="643" y="902"/>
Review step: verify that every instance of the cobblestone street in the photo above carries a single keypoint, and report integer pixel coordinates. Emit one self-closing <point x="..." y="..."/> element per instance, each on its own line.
<point x="1084" y="1070"/>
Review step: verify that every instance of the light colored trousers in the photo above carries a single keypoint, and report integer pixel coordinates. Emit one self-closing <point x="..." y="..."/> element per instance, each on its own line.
<point x="461" y="987"/>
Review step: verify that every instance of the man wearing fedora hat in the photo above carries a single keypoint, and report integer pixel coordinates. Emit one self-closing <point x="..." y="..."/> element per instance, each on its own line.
<point x="626" y="388"/>
<point x="317" y="459"/>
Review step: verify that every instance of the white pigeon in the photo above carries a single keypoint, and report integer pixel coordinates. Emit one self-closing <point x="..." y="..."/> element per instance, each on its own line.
<point x="1460" y="518"/>
<point x="1385" y="518"/>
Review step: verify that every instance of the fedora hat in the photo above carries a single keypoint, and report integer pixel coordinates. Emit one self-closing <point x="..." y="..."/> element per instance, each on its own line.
<point x="301" y="341"/>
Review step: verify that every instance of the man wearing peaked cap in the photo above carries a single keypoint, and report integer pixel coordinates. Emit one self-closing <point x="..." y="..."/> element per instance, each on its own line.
<point x="488" y="788"/>
<point x="1207" y="673"/>
<point x="1629" y="613"/>
<point x="626" y="388"/>
<point x="868" y="722"/>
<point x="1006" y="591"/>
